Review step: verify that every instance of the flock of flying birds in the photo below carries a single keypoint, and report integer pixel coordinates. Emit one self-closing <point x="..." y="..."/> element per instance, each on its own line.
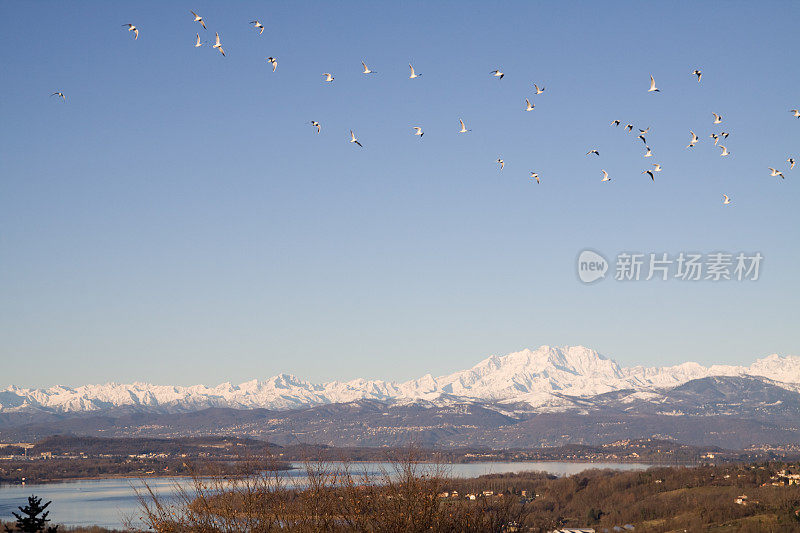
<point x="529" y="106"/>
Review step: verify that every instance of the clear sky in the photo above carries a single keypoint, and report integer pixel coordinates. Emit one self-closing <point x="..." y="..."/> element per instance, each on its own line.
<point x="177" y="220"/>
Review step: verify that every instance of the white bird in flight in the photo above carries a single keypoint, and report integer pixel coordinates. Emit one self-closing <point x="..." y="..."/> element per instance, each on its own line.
<point x="791" y="163"/>
<point x="540" y="90"/>
<point x="724" y="151"/>
<point x="653" y="86"/>
<point x="413" y="73"/>
<point x="657" y="167"/>
<point x="497" y="74"/>
<point x="418" y="131"/>
<point x="59" y="93"/>
<point x="715" y="137"/>
<point x="316" y="125"/>
<point x="218" y="46"/>
<point x="501" y="162"/>
<point x="726" y="199"/>
<point x="605" y="176"/>
<point x="615" y="123"/>
<point x="328" y="77"/>
<point x="463" y="127"/>
<point x="198" y="44"/>
<point x="528" y="105"/>
<point x="796" y="112"/>
<point x="198" y="18"/>
<point x="694" y="140"/>
<point x="273" y="62"/>
<point x="257" y="25"/>
<point x="366" y="69"/>
<point x="650" y="173"/>
<point x="698" y="74"/>
<point x="535" y="176"/>
<point x="629" y="127"/>
<point x="134" y="29"/>
<point x="717" y="118"/>
<point x="774" y="172"/>
<point x="353" y="138"/>
<point x="593" y="151"/>
<point x="649" y="153"/>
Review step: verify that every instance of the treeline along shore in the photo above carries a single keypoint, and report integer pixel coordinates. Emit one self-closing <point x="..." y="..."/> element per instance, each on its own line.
<point x="66" y="457"/>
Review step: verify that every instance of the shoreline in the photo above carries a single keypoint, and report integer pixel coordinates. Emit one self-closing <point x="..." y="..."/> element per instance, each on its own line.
<point x="51" y="481"/>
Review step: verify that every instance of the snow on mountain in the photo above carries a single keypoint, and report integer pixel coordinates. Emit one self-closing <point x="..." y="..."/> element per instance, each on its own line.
<point x="541" y="378"/>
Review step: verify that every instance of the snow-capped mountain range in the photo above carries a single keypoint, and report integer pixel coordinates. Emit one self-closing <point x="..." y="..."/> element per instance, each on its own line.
<point x="540" y="378"/>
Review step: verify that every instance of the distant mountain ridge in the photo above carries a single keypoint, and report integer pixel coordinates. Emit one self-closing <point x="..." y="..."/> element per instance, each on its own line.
<point x="547" y="379"/>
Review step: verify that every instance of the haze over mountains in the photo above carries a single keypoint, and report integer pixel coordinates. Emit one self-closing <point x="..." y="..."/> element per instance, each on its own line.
<point x="545" y="380"/>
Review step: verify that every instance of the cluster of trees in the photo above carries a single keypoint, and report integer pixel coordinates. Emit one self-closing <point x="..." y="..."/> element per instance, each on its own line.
<point x="82" y="468"/>
<point x="329" y="498"/>
<point x="419" y="497"/>
<point x="193" y="446"/>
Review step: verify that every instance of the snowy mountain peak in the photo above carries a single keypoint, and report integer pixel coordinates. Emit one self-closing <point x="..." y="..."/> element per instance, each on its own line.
<point x="542" y="378"/>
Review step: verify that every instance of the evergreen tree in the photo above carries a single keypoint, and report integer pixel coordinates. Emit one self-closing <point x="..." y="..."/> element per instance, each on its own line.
<point x="28" y="519"/>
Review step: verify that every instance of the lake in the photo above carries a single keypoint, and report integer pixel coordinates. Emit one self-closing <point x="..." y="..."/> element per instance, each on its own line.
<point x="106" y="502"/>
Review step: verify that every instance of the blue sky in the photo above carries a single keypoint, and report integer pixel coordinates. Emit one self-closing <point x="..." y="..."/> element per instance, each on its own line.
<point x="177" y="220"/>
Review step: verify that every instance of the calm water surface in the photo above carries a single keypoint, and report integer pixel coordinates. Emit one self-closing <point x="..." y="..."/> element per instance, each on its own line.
<point x="106" y="502"/>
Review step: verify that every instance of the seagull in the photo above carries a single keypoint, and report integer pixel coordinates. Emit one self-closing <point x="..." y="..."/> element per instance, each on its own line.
<point x="653" y="86"/>
<point x="615" y="123"/>
<point x="59" y="93"/>
<point x="774" y="172"/>
<point x="593" y="151"/>
<point x="725" y="134"/>
<point x="717" y="118"/>
<point x="694" y="140"/>
<point x="463" y="127"/>
<point x="644" y="131"/>
<point x="316" y="125"/>
<point x="198" y="44"/>
<point x="328" y="77"/>
<point x="528" y="105"/>
<point x="605" y="176"/>
<point x="366" y="69"/>
<point x="629" y="127"/>
<point x="418" y="131"/>
<point x="502" y="163"/>
<point x="257" y="25"/>
<point x="538" y="89"/>
<point x="353" y="138"/>
<point x="413" y="73"/>
<point x="715" y="137"/>
<point x="649" y="153"/>
<point x="274" y="63"/>
<point x="796" y="112"/>
<point x="497" y="74"/>
<point x="790" y="161"/>
<point x="641" y="136"/>
<point x="535" y="176"/>
<point x="198" y="18"/>
<point x="724" y="151"/>
<point x="134" y="29"/>
<point x="657" y="167"/>
<point x="649" y="173"/>
<point x="698" y="74"/>
<point x="726" y="199"/>
<point x="218" y="46"/>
